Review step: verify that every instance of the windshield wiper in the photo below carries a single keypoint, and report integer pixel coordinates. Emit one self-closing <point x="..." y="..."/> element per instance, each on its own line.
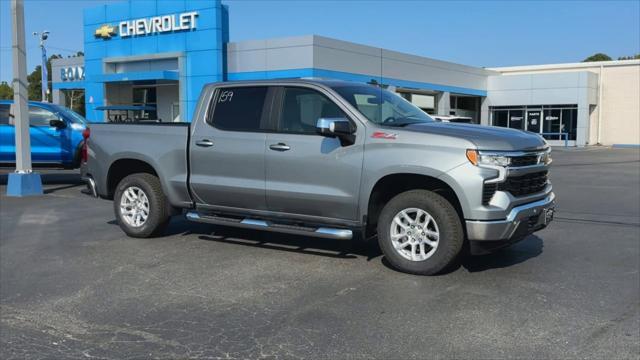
<point x="406" y="123"/>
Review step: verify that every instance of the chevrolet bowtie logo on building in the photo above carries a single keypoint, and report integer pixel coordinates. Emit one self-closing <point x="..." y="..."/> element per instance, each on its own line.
<point x="105" y="31"/>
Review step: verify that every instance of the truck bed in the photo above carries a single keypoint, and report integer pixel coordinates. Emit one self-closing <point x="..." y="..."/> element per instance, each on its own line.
<point x="164" y="146"/>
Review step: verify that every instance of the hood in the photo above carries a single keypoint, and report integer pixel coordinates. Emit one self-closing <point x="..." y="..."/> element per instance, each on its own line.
<point x="485" y="137"/>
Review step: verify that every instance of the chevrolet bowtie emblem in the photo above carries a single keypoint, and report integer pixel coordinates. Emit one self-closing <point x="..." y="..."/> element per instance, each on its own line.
<point x="105" y="31"/>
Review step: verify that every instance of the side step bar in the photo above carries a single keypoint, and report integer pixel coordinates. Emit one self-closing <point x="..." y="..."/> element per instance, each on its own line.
<point x="321" y="232"/>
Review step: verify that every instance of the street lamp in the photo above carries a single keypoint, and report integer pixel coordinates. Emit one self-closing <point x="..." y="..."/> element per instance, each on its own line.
<point x="45" y="83"/>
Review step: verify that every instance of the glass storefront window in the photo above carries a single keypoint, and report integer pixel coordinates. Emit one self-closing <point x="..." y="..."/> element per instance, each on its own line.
<point x="556" y="119"/>
<point x="551" y="121"/>
<point x="569" y="122"/>
<point x="516" y="119"/>
<point x="145" y="96"/>
<point x="501" y="118"/>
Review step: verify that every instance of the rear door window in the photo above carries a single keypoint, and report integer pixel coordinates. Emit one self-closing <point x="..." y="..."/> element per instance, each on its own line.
<point x="239" y="108"/>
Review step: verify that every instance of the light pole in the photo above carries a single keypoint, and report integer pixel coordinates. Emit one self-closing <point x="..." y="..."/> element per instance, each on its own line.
<point x="23" y="181"/>
<point x="45" y="83"/>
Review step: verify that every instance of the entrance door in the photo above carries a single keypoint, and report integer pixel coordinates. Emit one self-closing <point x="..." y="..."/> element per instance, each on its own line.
<point x="534" y="118"/>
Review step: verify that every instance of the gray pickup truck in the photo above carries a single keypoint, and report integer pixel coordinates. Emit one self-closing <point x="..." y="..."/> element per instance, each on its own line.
<point x="328" y="159"/>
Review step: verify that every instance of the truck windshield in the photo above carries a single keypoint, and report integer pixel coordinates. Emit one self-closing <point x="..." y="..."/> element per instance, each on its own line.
<point x="382" y="106"/>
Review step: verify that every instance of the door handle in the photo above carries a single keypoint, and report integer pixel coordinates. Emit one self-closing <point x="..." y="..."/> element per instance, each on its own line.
<point x="204" y="143"/>
<point x="279" y="147"/>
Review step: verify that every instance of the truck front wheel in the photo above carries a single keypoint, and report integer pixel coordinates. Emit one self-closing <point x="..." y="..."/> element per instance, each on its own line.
<point x="140" y="206"/>
<point x="420" y="232"/>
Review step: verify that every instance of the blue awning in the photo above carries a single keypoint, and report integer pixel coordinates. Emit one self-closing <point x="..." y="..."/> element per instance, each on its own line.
<point x="136" y="76"/>
<point x="126" y="107"/>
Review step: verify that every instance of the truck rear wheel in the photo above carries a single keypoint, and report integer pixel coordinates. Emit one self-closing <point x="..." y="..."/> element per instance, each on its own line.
<point x="420" y="232"/>
<point x="140" y="206"/>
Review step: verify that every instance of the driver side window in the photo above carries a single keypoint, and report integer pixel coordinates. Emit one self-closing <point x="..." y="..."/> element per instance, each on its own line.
<point x="301" y="109"/>
<point x="40" y="117"/>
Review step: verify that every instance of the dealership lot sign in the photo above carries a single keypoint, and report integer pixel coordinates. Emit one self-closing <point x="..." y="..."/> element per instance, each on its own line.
<point x="153" y="25"/>
<point x="74" y="73"/>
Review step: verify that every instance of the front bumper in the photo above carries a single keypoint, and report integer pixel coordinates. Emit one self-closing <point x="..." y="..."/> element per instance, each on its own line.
<point x="486" y="236"/>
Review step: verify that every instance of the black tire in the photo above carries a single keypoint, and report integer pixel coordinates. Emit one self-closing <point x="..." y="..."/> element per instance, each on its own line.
<point x="159" y="209"/>
<point x="450" y="240"/>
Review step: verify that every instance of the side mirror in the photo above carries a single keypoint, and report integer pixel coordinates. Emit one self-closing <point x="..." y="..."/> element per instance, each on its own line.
<point x="333" y="127"/>
<point x="336" y="127"/>
<point x="57" y="123"/>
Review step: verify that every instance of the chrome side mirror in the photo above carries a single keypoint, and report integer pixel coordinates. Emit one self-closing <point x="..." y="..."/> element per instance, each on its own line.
<point x="336" y="128"/>
<point x="333" y="127"/>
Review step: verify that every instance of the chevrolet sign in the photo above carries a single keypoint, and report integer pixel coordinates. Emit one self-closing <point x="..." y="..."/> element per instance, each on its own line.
<point x="152" y="25"/>
<point x="105" y="31"/>
<point x="158" y="24"/>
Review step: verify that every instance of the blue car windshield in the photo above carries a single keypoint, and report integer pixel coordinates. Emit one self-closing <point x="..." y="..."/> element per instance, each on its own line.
<point x="381" y="106"/>
<point x="72" y="115"/>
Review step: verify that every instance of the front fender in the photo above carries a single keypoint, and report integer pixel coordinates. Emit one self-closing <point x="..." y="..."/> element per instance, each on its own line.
<point x="371" y="179"/>
<point x="467" y="181"/>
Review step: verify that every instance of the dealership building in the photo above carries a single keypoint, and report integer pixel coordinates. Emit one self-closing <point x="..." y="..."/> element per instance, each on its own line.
<point x="159" y="54"/>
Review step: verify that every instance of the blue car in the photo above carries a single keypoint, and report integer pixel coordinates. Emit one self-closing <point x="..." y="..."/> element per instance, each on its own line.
<point x="56" y="134"/>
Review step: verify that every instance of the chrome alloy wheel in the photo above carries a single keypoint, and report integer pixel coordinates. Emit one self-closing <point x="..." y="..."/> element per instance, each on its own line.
<point x="414" y="234"/>
<point x="134" y="206"/>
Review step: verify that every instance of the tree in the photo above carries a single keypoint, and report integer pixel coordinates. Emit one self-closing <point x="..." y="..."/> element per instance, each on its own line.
<point x="6" y="92"/>
<point x="74" y="100"/>
<point x="598" y="57"/>
<point x="631" y="57"/>
<point x="34" y="84"/>
<point x="34" y="87"/>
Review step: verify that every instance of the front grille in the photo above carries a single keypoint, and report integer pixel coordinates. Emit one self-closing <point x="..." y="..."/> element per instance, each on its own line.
<point x="525" y="184"/>
<point x="526" y="160"/>
<point x="488" y="191"/>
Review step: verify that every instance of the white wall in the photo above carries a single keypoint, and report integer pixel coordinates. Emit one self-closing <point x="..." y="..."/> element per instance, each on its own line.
<point x="617" y="119"/>
<point x="580" y="88"/>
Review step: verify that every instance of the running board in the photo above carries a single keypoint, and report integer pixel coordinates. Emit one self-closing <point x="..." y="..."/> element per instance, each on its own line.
<point x="321" y="232"/>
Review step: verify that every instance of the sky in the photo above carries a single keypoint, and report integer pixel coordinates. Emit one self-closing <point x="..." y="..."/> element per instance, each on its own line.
<point x="478" y="33"/>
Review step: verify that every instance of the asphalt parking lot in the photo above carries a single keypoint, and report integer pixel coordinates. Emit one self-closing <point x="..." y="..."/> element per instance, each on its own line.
<point x="73" y="286"/>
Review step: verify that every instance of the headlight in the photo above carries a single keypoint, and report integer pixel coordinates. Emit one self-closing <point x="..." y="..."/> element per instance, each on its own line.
<point x="546" y="158"/>
<point x="507" y="159"/>
<point x="487" y="159"/>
